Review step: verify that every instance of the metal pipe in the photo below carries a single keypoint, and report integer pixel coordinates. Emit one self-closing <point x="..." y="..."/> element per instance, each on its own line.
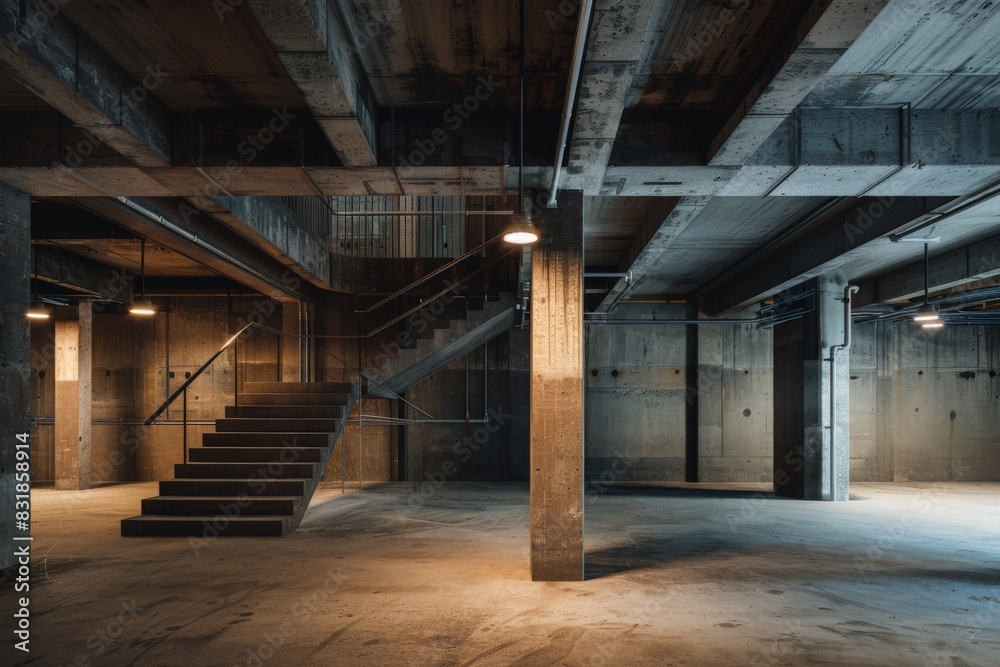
<point x="579" y="48"/>
<point x="978" y="197"/>
<point x="846" y="345"/>
<point x="393" y="214"/>
<point x="194" y="239"/>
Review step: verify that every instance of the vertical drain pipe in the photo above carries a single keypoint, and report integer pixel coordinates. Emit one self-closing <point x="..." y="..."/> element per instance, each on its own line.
<point x="579" y="49"/>
<point x="846" y="345"/>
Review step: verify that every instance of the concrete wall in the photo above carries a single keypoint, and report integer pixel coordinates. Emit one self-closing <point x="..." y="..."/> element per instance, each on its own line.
<point x="925" y="406"/>
<point x="634" y="397"/>
<point x="638" y="388"/>
<point x="137" y="363"/>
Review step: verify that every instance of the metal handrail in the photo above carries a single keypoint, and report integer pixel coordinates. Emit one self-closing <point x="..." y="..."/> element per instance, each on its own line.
<point x="440" y="294"/>
<point x="194" y="376"/>
<point x="441" y="269"/>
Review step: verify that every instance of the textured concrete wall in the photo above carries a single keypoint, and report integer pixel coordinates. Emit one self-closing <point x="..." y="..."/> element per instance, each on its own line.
<point x="638" y="388"/>
<point x="943" y="395"/>
<point x="734" y="386"/>
<point x="635" y="397"/>
<point x="137" y="363"/>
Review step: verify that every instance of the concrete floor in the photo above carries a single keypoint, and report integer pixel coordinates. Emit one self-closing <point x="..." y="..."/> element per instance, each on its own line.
<point x="677" y="575"/>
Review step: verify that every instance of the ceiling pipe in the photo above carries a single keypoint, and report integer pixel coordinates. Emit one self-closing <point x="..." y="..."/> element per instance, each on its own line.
<point x="579" y="49"/>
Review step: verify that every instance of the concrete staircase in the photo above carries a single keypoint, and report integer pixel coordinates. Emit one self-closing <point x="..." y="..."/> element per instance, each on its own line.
<point x="255" y="475"/>
<point x="443" y="338"/>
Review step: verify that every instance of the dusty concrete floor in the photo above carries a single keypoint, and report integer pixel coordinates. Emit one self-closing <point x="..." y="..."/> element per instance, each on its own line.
<point x="678" y="575"/>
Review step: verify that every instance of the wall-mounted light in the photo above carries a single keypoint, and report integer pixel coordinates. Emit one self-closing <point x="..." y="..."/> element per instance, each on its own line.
<point x="141" y="306"/>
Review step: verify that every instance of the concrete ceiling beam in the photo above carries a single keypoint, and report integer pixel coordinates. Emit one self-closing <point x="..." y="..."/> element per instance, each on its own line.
<point x="273" y="227"/>
<point x="314" y="44"/>
<point x="613" y="51"/>
<point x="193" y="234"/>
<point x="858" y="235"/>
<point x="63" y="268"/>
<point x="830" y="28"/>
<point x="677" y="220"/>
<point x="66" y="69"/>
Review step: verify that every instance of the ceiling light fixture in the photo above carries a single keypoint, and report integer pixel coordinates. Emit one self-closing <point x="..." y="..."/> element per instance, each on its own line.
<point x="37" y="311"/>
<point x="142" y="306"/>
<point x="927" y="316"/>
<point x="521" y="230"/>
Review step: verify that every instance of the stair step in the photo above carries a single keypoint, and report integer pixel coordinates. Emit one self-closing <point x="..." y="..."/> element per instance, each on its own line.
<point x="255" y="454"/>
<point x="297" y="387"/>
<point x="293" y="398"/>
<point x="233" y="507"/>
<point x="233" y="487"/>
<point x="303" y="425"/>
<point x="278" y="470"/>
<point x="205" y="526"/>
<point x="271" y="439"/>
<point x="284" y="411"/>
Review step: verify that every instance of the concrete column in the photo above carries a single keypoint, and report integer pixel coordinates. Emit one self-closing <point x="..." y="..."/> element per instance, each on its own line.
<point x="15" y="353"/>
<point x="73" y="397"/>
<point x="811" y="454"/>
<point x="292" y="348"/>
<point x="556" y="412"/>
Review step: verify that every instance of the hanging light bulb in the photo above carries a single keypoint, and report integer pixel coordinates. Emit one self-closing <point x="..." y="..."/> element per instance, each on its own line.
<point x="142" y="306"/>
<point x="38" y="312"/>
<point x="520" y="230"/>
<point x="927" y="314"/>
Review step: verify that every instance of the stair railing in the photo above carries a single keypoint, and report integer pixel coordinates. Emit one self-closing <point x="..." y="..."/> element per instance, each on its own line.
<point x="361" y="337"/>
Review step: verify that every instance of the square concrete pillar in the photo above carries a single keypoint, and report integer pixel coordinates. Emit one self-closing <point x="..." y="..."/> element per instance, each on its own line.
<point x="556" y="411"/>
<point x="73" y="396"/>
<point x="811" y="397"/>
<point x="15" y="354"/>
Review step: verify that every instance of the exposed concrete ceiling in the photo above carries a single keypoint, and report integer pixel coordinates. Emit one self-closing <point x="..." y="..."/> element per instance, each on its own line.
<point x="726" y="148"/>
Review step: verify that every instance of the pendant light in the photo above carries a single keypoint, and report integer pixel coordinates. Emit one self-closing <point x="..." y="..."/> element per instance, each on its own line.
<point x="521" y="230"/>
<point x="37" y="310"/>
<point x="142" y="306"/>
<point x="927" y="316"/>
